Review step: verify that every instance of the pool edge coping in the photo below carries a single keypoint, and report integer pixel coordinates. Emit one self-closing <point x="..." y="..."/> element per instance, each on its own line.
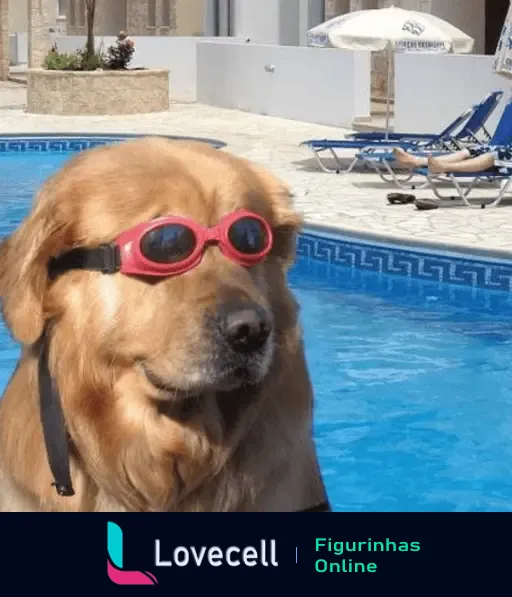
<point x="392" y="241"/>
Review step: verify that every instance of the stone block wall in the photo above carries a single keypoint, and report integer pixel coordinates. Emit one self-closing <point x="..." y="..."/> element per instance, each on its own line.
<point x="4" y="40"/>
<point x="74" y="93"/>
<point x="380" y="75"/>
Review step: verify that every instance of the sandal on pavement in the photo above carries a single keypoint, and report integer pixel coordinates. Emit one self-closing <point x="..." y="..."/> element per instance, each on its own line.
<point x="400" y="198"/>
<point x="426" y="203"/>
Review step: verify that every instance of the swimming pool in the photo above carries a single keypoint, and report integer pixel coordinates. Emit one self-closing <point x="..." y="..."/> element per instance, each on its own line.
<point x="412" y="376"/>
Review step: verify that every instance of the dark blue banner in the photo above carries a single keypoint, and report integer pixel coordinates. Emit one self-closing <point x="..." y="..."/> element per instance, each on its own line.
<point x="71" y="554"/>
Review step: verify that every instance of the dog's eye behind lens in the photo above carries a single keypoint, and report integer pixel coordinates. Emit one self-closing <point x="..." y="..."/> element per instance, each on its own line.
<point x="248" y="236"/>
<point x="168" y="244"/>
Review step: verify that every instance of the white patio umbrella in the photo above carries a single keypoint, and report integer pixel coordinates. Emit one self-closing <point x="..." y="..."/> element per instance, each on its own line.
<point x="394" y="29"/>
<point x="503" y="55"/>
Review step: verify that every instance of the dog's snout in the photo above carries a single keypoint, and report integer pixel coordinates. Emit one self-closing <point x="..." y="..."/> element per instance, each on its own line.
<point x="246" y="328"/>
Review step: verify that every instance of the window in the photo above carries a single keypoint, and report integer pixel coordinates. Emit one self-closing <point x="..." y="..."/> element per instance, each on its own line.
<point x="333" y="8"/>
<point x="61" y="8"/>
<point x="151" y="13"/>
<point x="72" y="13"/>
<point x="81" y="13"/>
<point x="166" y="13"/>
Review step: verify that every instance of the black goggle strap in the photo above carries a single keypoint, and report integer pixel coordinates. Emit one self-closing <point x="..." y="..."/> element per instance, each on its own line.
<point x="105" y="259"/>
<point x="54" y="426"/>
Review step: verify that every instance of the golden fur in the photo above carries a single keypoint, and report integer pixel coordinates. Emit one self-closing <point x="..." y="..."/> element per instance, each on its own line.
<point x="134" y="447"/>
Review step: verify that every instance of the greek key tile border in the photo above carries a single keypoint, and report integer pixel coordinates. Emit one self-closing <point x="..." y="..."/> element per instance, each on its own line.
<point x="54" y="145"/>
<point x="463" y="271"/>
<point x="75" y="143"/>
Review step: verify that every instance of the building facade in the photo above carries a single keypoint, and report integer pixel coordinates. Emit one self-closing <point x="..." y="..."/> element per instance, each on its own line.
<point x="18" y="14"/>
<point x="283" y="22"/>
<point x="138" y="17"/>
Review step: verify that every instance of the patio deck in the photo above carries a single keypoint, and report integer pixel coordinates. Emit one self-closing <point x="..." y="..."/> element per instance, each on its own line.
<point x="354" y="204"/>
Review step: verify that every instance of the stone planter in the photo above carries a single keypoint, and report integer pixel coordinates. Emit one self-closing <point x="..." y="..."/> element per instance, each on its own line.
<point x="101" y="92"/>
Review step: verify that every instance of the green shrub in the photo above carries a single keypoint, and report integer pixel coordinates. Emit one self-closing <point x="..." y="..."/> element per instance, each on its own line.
<point x="79" y="61"/>
<point x="61" y="61"/>
<point x="118" y="57"/>
<point x="91" y="61"/>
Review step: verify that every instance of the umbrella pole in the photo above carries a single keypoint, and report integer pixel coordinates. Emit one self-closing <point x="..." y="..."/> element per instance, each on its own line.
<point x="390" y="51"/>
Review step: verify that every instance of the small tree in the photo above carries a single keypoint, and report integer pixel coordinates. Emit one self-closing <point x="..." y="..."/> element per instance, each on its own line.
<point x="90" y="10"/>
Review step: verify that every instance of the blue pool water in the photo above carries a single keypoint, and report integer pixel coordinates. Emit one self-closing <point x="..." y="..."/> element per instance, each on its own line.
<point x="413" y="381"/>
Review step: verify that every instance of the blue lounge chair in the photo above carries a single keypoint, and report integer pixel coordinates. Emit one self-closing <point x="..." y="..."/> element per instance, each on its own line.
<point x="468" y="133"/>
<point x="477" y="124"/>
<point x="500" y="175"/>
<point x="319" y="146"/>
<point x="445" y="140"/>
<point x="382" y="161"/>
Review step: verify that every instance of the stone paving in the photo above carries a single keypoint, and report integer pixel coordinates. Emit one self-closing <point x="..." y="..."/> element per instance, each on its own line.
<point x="355" y="204"/>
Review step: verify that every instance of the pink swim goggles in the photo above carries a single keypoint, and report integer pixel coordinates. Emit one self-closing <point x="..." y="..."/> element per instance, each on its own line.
<point x="172" y="245"/>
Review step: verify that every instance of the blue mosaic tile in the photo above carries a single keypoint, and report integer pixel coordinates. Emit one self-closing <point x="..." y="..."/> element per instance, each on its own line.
<point x="74" y="144"/>
<point x="409" y="264"/>
<point x="322" y="273"/>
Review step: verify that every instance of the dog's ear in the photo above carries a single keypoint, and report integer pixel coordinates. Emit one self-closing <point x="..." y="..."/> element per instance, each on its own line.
<point x="287" y="222"/>
<point x="24" y="258"/>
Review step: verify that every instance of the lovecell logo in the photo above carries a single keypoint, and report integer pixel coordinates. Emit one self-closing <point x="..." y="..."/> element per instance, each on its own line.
<point x="172" y="556"/>
<point x="115" y="569"/>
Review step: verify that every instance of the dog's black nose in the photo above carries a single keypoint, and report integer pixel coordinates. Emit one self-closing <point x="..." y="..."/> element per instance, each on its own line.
<point x="246" y="328"/>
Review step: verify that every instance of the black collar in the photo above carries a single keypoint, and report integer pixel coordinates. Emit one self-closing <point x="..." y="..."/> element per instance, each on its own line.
<point x="54" y="425"/>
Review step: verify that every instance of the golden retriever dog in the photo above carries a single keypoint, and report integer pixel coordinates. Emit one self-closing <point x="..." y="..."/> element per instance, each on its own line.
<point x="179" y="393"/>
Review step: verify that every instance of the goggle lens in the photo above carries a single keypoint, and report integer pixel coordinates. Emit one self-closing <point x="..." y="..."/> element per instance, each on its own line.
<point x="171" y="243"/>
<point x="248" y="236"/>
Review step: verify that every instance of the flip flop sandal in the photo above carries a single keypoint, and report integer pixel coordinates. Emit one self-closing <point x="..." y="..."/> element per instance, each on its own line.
<point x="426" y="203"/>
<point x="400" y="198"/>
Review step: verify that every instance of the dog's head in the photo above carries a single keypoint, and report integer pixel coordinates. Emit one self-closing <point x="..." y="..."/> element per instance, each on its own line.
<point x="213" y="327"/>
